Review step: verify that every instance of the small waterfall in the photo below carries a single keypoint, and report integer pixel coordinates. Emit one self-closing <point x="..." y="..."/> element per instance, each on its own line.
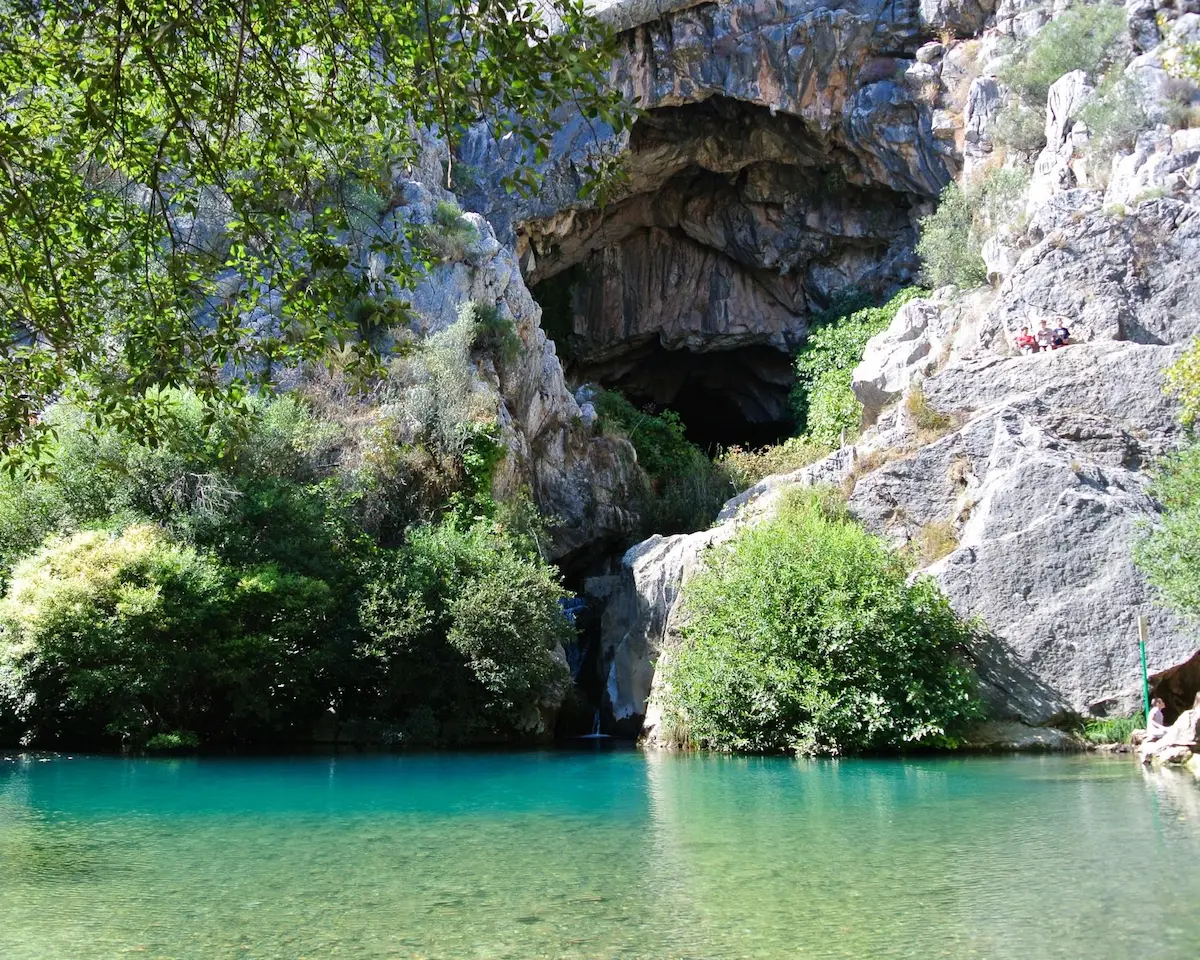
<point x="595" y="734"/>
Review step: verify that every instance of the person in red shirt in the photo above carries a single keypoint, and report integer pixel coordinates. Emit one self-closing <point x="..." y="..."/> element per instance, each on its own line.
<point x="1026" y="343"/>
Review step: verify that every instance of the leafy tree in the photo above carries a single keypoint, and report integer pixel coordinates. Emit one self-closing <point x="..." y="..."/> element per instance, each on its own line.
<point x="460" y="624"/>
<point x="804" y="635"/>
<point x="1169" y="554"/>
<point x="1083" y="38"/>
<point x="131" y="635"/>
<point x="189" y="190"/>
<point x="949" y="245"/>
<point x="822" y="401"/>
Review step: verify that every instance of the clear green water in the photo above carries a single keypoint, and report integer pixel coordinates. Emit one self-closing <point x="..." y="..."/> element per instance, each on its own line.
<point x="588" y="855"/>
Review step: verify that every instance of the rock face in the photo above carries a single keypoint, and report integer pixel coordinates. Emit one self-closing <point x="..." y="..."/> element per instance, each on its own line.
<point x="581" y="480"/>
<point x="784" y="155"/>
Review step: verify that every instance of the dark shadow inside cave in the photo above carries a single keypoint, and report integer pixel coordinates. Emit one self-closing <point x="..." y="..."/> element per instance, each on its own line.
<point x="1177" y="686"/>
<point x="724" y="398"/>
<point x="692" y="290"/>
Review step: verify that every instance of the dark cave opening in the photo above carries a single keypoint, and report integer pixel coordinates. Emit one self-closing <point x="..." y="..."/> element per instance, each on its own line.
<point x="724" y="398"/>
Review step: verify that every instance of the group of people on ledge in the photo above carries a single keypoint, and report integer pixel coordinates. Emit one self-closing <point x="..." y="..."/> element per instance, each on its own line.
<point x="1044" y="339"/>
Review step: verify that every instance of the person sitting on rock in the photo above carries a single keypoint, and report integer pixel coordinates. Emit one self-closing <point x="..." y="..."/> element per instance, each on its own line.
<point x="1045" y="337"/>
<point x="1062" y="337"/>
<point x="1155" y="722"/>
<point x="1025" y="342"/>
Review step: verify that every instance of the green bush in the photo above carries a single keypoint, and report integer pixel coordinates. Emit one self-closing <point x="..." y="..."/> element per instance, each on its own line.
<point x="1169" y="553"/>
<point x="822" y="401"/>
<point x="449" y="234"/>
<point x="804" y="635"/>
<point x="1114" y="118"/>
<point x="1083" y="38"/>
<point x="494" y="332"/>
<point x="1019" y="128"/>
<point x="460" y="626"/>
<point x="685" y="489"/>
<point x="949" y="245"/>
<point x="1112" y="729"/>
<point x="132" y="635"/>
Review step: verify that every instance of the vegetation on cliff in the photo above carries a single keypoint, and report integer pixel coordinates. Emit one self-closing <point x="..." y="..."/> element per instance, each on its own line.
<point x="1169" y="553"/>
<point x="237" y="581"/>
<point x="805" y="635"/>
<point x="192" y="193"/>
<point x="823" y="403"/>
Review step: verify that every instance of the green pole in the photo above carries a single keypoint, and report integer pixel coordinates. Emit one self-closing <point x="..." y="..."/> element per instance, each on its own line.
<point x="1143" y="631"/>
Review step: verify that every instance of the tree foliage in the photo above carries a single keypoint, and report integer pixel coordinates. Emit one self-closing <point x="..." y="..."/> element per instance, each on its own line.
<point x="189" y="190"/>
<point x="822" y="401"/>
<point x="460" y="625"/>
<point x="1083" y="38"/>
<point x="1169" y="553"/>
<point x="132" y="635"/>
<point x="804" y="635"/>
<point x="949" y="245"/>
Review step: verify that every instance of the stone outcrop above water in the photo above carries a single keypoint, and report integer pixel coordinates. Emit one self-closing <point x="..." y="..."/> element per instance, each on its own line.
<point x="786" y="153"/>
<point x="583" y="481"/>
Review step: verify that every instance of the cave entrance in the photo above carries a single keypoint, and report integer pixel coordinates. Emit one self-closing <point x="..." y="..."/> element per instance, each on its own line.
<point x="724" y="398"/>
<point x="1177" y="686"/>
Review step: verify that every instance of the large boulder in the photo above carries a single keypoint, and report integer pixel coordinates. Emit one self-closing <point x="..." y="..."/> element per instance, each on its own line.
<point x="1118" y="275"/>
<point x="907" y="349"/>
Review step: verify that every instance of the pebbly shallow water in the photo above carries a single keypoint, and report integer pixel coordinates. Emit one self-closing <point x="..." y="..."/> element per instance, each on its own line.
<point x="596" y="854"/>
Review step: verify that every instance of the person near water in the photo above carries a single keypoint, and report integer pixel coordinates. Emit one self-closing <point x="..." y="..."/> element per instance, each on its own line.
<point x="1155" y="721"/>
<point x="1025" y="342"/>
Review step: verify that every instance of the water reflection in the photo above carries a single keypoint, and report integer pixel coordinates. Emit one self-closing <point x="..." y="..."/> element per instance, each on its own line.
<point x="594" y="855"/>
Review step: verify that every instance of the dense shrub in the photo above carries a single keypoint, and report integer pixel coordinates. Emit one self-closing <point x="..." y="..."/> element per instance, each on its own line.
<point x="685" y="489"/>
<point x="949" y="245"/>
<point x="258" y="496"/>
<point x="1169" y="554"/>
<point x="460" y="625"/>
<point x="1019" y="128"/>
<point x="804" y="635"/>
<point x="133" y="635"/>
<point x="1114" y="118"/>
<point x="494" y="332"/>
<point x="952" y="237"/>
<point x="449" y="233"/>
<point x="1083" y="38"/>
<point x="822" y="401"/>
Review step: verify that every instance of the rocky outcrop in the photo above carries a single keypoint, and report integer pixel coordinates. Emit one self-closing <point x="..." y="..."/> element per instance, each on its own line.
<point x="580" y="480"/>
<point x="1179" y="745"/>
<point x="785" y="153"/>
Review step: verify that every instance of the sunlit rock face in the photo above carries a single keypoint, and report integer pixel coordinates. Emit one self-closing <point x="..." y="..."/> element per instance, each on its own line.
<point x="784" y="156"/>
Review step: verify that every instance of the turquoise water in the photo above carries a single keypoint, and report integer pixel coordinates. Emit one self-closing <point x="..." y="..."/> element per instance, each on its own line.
<point x="596" y="855"/>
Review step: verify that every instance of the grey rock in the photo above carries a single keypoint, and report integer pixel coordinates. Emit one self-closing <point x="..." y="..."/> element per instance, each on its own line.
<point x="961" y="17"/>
<point x="893" y="358"/>
<point x="1068" y="94"/>
<point x="1129" y="277"/>
<point x="1008" y="735"/>
<point x="930" y="52"/>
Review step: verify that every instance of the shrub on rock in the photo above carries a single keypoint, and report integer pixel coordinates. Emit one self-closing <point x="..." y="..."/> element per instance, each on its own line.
<point x="128" y="635"/>
<point x="805" y="635"/>
<point x="460" y="625"/>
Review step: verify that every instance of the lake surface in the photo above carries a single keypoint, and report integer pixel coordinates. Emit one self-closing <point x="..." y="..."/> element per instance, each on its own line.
<point x="607" y="854"/>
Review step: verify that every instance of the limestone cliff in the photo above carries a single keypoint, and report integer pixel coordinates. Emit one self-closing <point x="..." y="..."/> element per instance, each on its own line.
<point x="786" y="153"/>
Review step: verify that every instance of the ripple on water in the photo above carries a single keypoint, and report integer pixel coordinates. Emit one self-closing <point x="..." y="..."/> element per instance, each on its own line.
<point x="596" y="855"/>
